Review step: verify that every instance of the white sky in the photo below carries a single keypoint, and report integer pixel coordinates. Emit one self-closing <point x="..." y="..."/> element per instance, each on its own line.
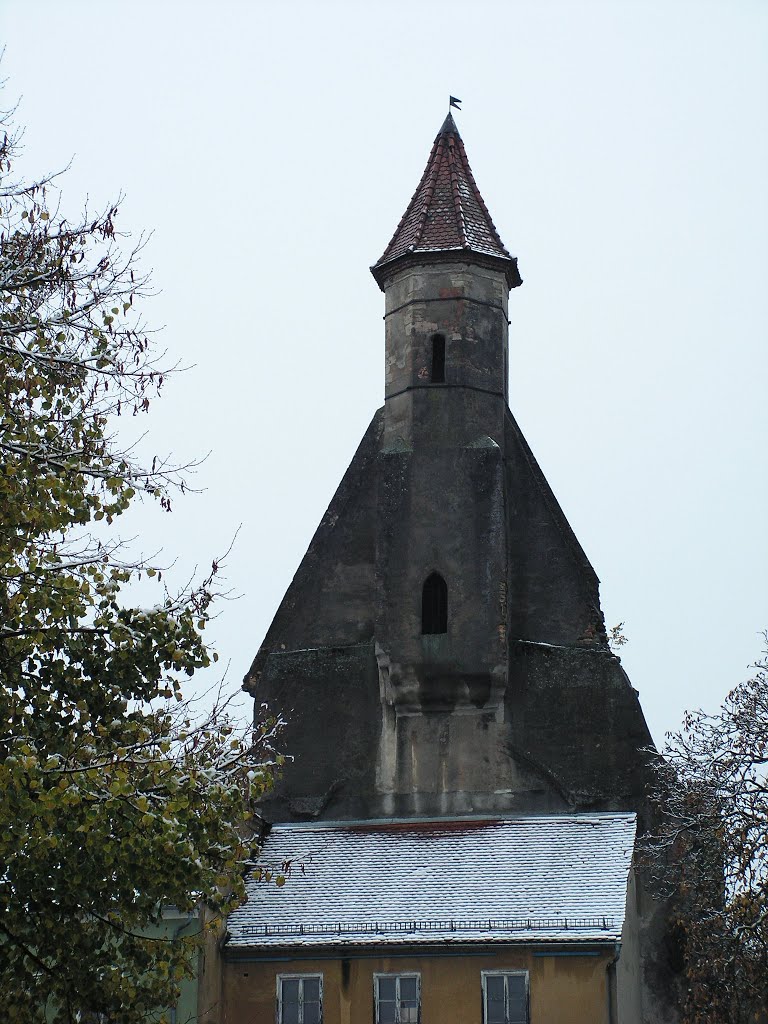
<point x="622" y="150"/>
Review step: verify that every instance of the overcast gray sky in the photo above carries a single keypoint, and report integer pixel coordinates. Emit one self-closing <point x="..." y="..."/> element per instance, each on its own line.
<point x="622" y="150"/>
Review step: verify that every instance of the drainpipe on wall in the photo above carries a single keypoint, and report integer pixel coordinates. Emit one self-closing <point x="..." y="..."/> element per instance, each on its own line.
<point x="610" y="986"/>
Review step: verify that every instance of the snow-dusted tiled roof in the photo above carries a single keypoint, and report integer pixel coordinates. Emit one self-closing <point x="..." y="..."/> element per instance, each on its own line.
<point x="447" y="214"/>
<point x="524" y="879"/>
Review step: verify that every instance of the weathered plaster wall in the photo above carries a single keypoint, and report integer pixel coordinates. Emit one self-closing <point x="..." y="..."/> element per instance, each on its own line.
<point x="462" y="537"/>
<point x="629" y="980"/>
<point x="565" y="734"/>
<point x="330" y="701"/>
<point x="573" y="714"/>
<point x="465" y="303"/>
<point x="519" y="707"/>
<point x="567" y="989"/>
<point x="648" y="977"/>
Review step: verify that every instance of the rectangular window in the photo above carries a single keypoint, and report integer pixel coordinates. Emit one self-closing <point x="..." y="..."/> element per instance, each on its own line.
<point x="299" y="999"/>
<point x="397" y="998"/>
<point x="505" y="997"/>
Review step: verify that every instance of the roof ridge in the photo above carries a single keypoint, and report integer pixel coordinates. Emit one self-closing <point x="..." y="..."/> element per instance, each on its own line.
<point x="569" y="816"/>
<point x="456" y="192"/>
<point x="412" y="200"/>
<point x="479" y="197"/>
<point x="429" y="192"/>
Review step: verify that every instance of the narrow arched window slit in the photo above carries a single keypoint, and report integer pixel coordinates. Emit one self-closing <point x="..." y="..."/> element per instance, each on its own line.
<point x="438" y="359"/>
<point x="434" y="605"/>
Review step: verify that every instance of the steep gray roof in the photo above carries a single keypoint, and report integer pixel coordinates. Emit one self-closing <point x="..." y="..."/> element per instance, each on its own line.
<point x="523" y="879"/>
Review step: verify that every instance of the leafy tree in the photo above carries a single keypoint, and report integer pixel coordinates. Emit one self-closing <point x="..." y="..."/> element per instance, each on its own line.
<point x="711" y="847"/>
<point x="115" y="800"/>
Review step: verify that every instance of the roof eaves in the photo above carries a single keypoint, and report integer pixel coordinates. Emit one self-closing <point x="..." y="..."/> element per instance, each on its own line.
<point x="332" y="941"/>
<point x="334" y="949"/>
<point x="382" y="270"/>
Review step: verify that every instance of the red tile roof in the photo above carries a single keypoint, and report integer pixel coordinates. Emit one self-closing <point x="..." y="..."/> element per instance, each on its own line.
<point x="447" y="214"/>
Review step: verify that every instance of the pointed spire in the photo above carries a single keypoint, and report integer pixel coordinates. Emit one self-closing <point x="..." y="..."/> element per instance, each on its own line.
<point x="448" y="127"/>
<point x="447" y="216"/>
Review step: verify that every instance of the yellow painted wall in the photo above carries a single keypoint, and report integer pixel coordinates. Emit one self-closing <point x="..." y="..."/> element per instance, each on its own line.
<point x="563" y="990"/>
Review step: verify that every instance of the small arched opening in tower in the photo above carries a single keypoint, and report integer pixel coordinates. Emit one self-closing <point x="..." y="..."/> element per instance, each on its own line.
<point x="438" y="359"/>
<point x="434" y="605"/>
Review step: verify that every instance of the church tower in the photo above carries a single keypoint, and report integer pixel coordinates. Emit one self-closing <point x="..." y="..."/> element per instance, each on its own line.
<point x="441" y="649"/>
<point x="468" y="757"/>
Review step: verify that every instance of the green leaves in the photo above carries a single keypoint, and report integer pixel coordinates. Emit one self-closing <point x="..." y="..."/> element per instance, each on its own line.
<point x="115" y="799"/>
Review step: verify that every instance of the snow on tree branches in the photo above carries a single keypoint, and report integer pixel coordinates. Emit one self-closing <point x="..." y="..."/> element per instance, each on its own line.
<point x="115" y="800"/>
<point x="711" y="850"/>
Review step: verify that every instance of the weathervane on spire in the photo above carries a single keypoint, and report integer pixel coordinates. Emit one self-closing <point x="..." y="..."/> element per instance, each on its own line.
<point x="454" y="102"/>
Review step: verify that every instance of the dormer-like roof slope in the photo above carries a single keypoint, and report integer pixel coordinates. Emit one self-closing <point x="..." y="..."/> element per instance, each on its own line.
<point x="447" y="214"/>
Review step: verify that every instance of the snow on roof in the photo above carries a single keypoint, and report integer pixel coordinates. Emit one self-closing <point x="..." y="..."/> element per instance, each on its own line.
<point x="523" y="879"/>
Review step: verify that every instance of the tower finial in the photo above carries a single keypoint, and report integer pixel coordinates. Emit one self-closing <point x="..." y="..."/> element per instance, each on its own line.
<point x="454" y="102"/>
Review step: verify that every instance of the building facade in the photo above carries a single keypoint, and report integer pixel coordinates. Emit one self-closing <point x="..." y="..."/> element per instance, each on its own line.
<point x="502" y="920"/>
<point x="442" y="663"/>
